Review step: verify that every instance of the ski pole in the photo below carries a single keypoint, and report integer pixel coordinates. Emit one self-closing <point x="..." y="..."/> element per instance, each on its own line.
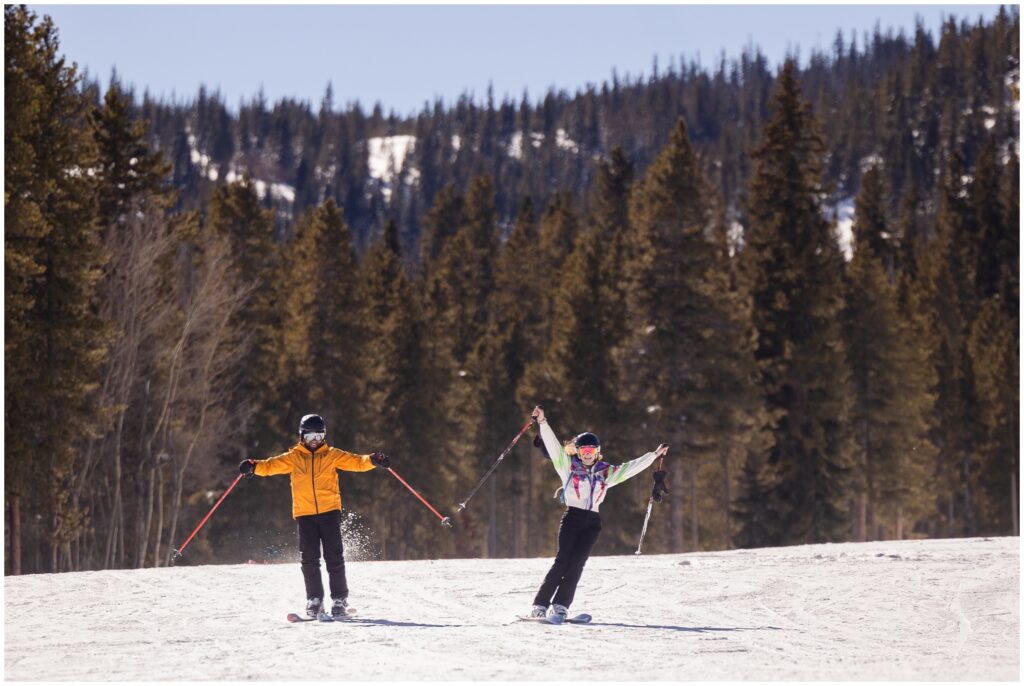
<point x="462" y="505"/>
<point x="647" y="517"/>
<point x="178" y="550"/>
<point x="445" y="521"/>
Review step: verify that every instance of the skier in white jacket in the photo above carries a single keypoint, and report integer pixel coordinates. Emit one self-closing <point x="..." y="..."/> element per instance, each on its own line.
<point x="586" y="480"/>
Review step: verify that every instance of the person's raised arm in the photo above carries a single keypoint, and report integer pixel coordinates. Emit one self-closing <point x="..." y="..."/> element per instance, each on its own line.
<point x="552" y="446"/>
<point x="627" y="470"/>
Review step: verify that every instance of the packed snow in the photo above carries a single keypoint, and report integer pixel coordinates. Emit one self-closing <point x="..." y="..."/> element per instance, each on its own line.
<point x="895" y="610"/>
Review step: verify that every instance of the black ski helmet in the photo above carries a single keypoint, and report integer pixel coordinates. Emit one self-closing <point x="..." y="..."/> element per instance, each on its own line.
<point x="312" y="423"/>
<point x="587" y="438"/>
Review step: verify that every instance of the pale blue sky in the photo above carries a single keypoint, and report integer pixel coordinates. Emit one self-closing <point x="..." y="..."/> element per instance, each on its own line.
<point x="404" y="55"/>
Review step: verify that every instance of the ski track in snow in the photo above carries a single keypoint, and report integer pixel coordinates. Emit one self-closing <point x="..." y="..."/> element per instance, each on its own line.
<point x="890" y="610"/>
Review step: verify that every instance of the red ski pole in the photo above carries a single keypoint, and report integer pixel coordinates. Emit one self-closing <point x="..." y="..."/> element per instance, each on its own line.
<point x="445" y="521"/>
<point x="177" y="551"/>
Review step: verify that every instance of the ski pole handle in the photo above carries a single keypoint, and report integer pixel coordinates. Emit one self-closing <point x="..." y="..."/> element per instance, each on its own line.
<point x="445" y="521"/>
<point x="178" y="550"/>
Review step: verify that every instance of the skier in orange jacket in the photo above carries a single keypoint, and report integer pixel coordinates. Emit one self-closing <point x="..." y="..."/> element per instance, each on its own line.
<point x="316" y="506"/>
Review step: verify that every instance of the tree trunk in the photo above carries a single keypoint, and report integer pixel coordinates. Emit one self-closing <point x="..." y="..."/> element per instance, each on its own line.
<point x="1013" y="503"/>
<point x="899" y="523"/>
<point x="157" y="544"/>
<point x="145" y="522"/>
<point x="16" y="535"/>
<point x="873" y="524"/>
<point x="110" y="558"/>
<point x="860" y="525"/>
<point x="970" y="527"/>
<point x="723" y="456"/>
<point x="517" y="506"/>
<point x="530" y="514"/>
<point x="694" y="523"/>
<point x="676" y="509"/>
<point x="492" y="519"/>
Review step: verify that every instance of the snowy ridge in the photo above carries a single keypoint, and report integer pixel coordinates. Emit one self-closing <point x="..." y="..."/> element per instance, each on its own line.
<point x="888" y="610"/>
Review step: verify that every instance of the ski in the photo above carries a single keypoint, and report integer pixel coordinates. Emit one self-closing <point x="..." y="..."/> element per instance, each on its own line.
<point x="581" y="618"/>
<point x="550" y="619"/>
<point x="321" y="617"/>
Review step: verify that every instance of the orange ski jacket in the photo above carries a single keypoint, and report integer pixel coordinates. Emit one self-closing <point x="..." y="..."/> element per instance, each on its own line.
<point x="314" y="475"/>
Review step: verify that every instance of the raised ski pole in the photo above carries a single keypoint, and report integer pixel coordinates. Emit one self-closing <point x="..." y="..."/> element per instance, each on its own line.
<point x="445" y="521"/>
<point x="179" y="549"/>
<point x="647" y="517"/>
<point x="506" y="451"/>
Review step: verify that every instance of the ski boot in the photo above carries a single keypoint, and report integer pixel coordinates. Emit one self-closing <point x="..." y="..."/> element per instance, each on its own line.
<point x="314" y="606"/>
<point x="538" y="611"/>
<point x="339" y="608"/>
<point x="561" y="610"/>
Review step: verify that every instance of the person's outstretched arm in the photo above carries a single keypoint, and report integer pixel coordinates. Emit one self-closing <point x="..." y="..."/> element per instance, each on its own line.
<point x="627" y="470"/>
<point x="553" y="448"/>
<point x="279" y="464"/>
<point x="351" y="462"/>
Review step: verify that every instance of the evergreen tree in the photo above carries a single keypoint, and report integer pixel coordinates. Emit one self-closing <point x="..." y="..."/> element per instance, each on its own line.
<point x="795" y="265"/>
<point x="871" y="226"/>
<point x="995" y="361"/>
<point x="440" y="222"/>
<point x="1010" y="201"/>
<point x="953" y="301"/>
<point x="396" y="404"/>
<point x="127" y="169"/>
<point x="699" y="369"/>
<point x="236" y="212"/>
<point x="890" y="381"/>
<point x="337" y="329"/>
<point x="54" y="341"/>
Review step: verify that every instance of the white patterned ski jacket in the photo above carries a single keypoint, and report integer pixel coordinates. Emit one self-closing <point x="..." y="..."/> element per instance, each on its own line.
<point x="585" y="488"/>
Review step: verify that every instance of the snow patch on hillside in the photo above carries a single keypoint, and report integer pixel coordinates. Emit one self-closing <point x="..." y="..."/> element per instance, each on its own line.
<point x="888" y="610"/>
<point x="562" y="140"/>
<point x="843" y="213"/>
<point x="387" y="154"/>
<point x="278" y="191"/>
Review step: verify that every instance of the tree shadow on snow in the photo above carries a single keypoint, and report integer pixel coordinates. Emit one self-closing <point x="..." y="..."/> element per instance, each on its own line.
<point x="690" y="629"/>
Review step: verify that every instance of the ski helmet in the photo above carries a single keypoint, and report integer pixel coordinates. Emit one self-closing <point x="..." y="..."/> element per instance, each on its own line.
<point x="312" y="423"/>
<point x="586" y="438"/>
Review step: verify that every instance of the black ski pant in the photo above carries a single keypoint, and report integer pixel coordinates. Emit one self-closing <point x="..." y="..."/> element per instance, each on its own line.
<point x="326" y="528"/>
<point x="576" y="537"/>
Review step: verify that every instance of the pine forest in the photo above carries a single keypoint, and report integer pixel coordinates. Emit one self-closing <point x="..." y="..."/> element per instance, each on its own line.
<point x="802" y="277"/>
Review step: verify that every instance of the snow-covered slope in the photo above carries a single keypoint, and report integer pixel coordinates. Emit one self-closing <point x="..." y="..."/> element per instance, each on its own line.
<point x="926" y="610"/>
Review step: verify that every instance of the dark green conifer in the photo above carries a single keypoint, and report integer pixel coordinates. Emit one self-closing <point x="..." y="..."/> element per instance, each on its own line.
<point x="699" y="368"/>
<point x="890" y="382"/>
<point x="236" y="212"/>
<point x="396" y="404"/>
<point x="128" y="169"/>
<point x="795" y="267"/>
<point x="54" y="341"/>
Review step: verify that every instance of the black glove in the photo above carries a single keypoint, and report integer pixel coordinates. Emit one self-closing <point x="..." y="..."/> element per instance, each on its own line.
<point x="247" y="467"/>
<point x="660" y="489"/>
<point x="380" y="460"/>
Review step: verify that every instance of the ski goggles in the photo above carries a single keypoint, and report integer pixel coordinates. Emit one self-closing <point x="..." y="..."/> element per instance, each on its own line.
<point x="588" y="450"/>
<point x="314" y="437"/>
